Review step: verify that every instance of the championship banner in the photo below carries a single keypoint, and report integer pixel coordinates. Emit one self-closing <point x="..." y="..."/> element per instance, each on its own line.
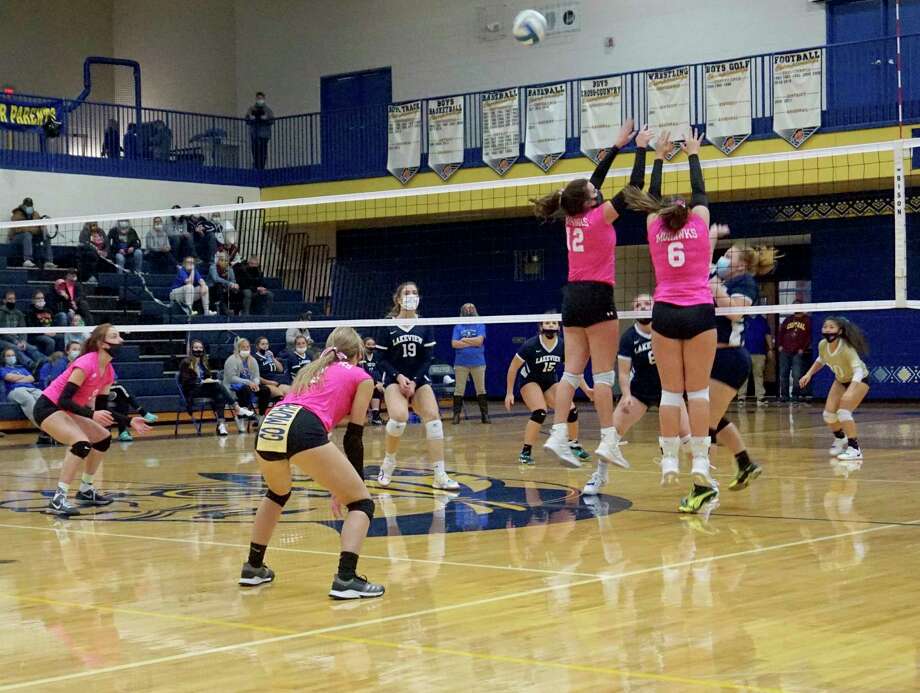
<point x="404" y="140"/>
<point x="445" y="135"/>
<point x="545" y="141"/>
<point x="797" y="95"/>
<point x="669" y="103"/>
<point x="26" y="116"/>
<point x="501" y="129"/>
<point x="728" y="104"/>
<point x="601" y="115"/>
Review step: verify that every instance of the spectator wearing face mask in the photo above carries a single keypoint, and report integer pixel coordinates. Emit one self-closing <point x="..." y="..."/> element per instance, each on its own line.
<point x="12" y="317"/>
<point x="180" y="238"/>
<point x="241" y="375"/>
<point x="271" y="370"/>
<point x="292" y="333"/>
<point x="33" y="239"/>
<point x="257" y="300"/>
<point x="204" y="238"/>
<point x="39" y="315"/>
<point x="65" y="299"/>
<point x="297" y="356"/>
<point x="57" y="363"/>
<point x="159" y="252"/>
<point x="260" y="119"/>
<point x="225" y="233"/>
<point x="226" y="291"/>
<point x="126" y="245"/>
<point x="197" y="381"/>
<point x="470" y="361"/>
<point x="189" y="286"/>
<point x="19" y="383"/>
<point x="93" y="251"/>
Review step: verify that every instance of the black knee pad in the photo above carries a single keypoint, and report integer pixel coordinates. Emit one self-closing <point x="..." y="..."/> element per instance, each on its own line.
<point x="81" y="449"/>
<point x="280" y="500"/>
<point x="723" y="422"/>
<point x="538" y="415"/>
<point x="713" y="433"/>
<point x="103" y="445"/>
<point x="573" y="415"/>
<point x="365" y="505"/>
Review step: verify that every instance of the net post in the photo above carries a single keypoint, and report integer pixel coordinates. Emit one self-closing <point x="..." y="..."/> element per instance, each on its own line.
<point x="900" y="228"/>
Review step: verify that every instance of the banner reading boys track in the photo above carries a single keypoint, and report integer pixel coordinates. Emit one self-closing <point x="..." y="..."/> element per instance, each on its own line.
<point x="445" y="135"/>
<point x="17" y="115"/>
<point x="728" y="103"/>
<point x="545" y="141"/>
<point x="601" y="115"/>
<point x="797" y="95"/>
<point x="501" y="129"/>
<point x="669" y="103"/>
<point x="404" y="140"/>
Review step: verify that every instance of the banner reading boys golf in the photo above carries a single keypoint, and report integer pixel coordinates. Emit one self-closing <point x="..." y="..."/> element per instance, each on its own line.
<point x="501" y="129"/>
<point x="601" y="115"/>
<point x="669" y="103"/>
<point x="545" y="141"/>
<point x="797" y="95"/>
<point x="728" y="104"/>
<point x="404" y="140"/>
<point x="445" y="135"/>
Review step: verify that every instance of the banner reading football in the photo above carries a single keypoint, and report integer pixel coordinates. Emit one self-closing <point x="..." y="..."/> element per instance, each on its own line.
<point x="545" y="141"/>
<point x="728" y="104"/>
<point x="445" y="135"/>
<point x="601" y="115"/>
<point x="797" y="95"/>
<point x="669" y="103"/>
<point x="404" y="140"/>
<point x="501" y="129"/>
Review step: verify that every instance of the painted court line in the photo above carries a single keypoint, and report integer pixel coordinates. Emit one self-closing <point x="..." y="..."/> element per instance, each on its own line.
<point x="434" y="610"/>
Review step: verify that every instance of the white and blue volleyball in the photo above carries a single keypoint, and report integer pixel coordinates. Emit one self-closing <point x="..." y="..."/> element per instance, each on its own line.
<point x="529" y="27"/>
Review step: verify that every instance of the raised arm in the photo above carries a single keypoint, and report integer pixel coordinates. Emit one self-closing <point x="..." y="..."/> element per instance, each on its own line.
<point x="699" y="202"/>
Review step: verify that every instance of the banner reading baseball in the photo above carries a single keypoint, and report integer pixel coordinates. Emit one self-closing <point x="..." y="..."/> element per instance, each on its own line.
<point x="728" y="104"/>
<point x="545" y="141"/>
<point x="797" y="95"/>
<point x="501" y="129"/>
<point x="601" y="115"/>
<point x="404" y="140"/>
<point x="445" y="135"/>
<point x="669" y="103"/>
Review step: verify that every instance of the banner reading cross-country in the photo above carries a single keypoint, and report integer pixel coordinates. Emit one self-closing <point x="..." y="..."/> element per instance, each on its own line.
<point x="544" y="144"/>
<point x="669" y="103"/>
<point x="501" y="129"/>
<point x="445" y="135"/>
<point x="601" y="115"/>
<point x="728" y="103"/>
<point x="404" y="140"/>
<point x="797" y="95"/>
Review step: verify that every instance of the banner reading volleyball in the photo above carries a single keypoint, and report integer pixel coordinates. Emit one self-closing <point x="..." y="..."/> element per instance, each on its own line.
<point x="669" y="103"/>
<point x="545" y="141"/>
<point x="404" y="140"/>
<point x="797" y="95"/>
<point x="445" y="135"/>
<point x="728" y="104"/>
<point x="501" y="129"/>
<point x="601" y="115"/>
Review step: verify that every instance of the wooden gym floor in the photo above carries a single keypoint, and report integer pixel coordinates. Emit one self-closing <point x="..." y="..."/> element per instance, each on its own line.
<point x="806" y="581"/>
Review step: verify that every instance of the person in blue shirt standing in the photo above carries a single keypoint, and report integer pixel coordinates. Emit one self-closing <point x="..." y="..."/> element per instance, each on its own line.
<point x="758" y="340"/>
<point x="468" y="341"/>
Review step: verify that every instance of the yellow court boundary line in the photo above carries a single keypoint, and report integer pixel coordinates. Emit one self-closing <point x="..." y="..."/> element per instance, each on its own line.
<point x="435" y="610"/>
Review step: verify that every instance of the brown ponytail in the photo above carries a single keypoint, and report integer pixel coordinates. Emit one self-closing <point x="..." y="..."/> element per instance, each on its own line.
<point x="674" y="214"/>
<point x="761" y="259"/>
<point x="568" y="201"/>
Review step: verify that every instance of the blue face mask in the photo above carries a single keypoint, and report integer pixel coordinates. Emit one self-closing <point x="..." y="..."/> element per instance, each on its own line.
<point x="29" y="210"/>
<point x="10" y="360"/>
<point x="723" y="267"/>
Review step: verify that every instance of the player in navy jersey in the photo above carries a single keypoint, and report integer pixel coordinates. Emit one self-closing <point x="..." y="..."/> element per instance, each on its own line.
<point x="538" y="361"/>
<point x="406" y="352"/>
<point x="371" y="364"/>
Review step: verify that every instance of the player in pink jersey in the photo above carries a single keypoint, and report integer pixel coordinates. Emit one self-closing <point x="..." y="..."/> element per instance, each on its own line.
<point x="297" y="430"/>
<point x="683" y="318"/>
<point x="72" y="410"/>
<point x="589" y="315"/>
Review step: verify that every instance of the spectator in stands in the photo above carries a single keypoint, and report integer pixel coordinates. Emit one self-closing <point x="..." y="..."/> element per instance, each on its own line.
<point x="67" y="303"/>
<point x="252" y="283"/>
<point x="197" y="380"/>
<point x="225" y="290"/>
<point x="241" y="375"/>
<point x="94" y="244"/>
<point x="57" y="363"/>
<point x="180" y="238"/>
<point x="34" y="239"/>
<point x="470" y="360"/>
<point x="260" y="118"/>
<point x="126" y="245"/>
<point x="204" y="238"/>
<point x="19" y="383"/>
<point x="794" y="340"/>
<point x="271" y="370"/>
<point x="123" y="402"/>
<point x="12" y="317"/>
<point x="189" y="286"/>
<point x="159" y="251"/>
<point x="371" y="364"/>
<point x="225" y="233"/>
<point x="40" y="315"/>
<point x="293" y="333"/>
<point x="297" y="356"/>
<point x="110" y="140"/>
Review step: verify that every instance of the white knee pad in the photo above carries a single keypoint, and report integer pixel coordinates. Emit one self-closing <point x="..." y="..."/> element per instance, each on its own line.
<point x="844" y="415"/>
<point x="605" y="378"/>
<point x="396" y="428"/>
<point x="829" y="417"/>
<point x="699" y="394"/>
<point x="671" y="399"/>
<point x="573" y="379"/>
<point x="434" y="430"/>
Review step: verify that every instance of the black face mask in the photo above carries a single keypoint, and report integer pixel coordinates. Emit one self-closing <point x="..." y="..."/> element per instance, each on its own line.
<point x="113" y="349"/>
<point x="644" y="321"/>
<point x="831" y="337"/>
<point x="262" y="350"/>
<point x="198" y="352"/>
<point x="11" y="304"/>
<point x="550" y="334"/>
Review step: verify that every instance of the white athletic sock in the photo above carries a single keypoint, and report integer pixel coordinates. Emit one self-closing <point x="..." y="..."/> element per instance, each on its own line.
<point x="560" y="431"/>
<point x="610" y="431"/>
<point x="439" y="467"/>
<point x="602" y="468"/>
<point x="63" y="488"/>
<point x="389" y="458"/>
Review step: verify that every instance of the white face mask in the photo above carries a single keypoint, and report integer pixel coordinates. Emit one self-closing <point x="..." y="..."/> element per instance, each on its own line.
<point x="40" y="303"/>
<point x="158" y="227"/>
<point x="244" y="353"/>
<point x="300" y="350"/>
<point x="410" y="302"/>
<point x="73" y="354"/>
<point x="10" y="360"/>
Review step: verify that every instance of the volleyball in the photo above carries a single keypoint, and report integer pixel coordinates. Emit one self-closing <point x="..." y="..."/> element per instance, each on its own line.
<point x="529" y="27"/>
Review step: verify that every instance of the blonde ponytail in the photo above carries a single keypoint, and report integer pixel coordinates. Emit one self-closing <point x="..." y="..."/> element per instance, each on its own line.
<point x="344" y="344"/>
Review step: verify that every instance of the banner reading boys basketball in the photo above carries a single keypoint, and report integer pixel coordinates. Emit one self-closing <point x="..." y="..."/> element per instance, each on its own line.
<point x="501" y="129"/>
<point x="669" y="103"/>
<point x="404" y="140"/>
<point x="445" y="135"/>
<point x="601" y="115"/>
<point x="728" y="104"/>
<point x="545" y="139"/>
<point x="797" y="95"/>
